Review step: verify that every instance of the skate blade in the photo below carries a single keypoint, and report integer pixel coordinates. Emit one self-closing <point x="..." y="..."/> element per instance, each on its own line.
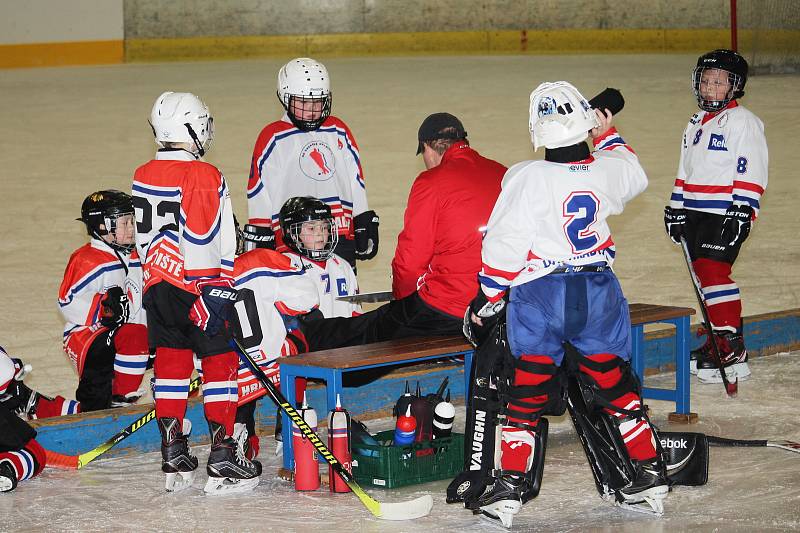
<point x="279" y="448"/>
<point x="715" y="377"/>
<point x="220" y="486"/>
<point x="178" y="481"/>
<point x="503" y="511"/>
<point x="652" y="501"/>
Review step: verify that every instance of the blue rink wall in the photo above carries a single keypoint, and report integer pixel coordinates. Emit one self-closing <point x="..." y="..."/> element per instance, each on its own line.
<point x="369" y="395"/>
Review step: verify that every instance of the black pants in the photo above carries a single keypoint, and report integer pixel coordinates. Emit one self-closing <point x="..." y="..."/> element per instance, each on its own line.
<point x="94" y="386"/>
<point x="703" y="233"/>
<point x="408" y="317"/>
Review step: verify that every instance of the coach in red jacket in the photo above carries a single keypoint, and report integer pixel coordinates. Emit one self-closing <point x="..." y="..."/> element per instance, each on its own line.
<point x="438" y="257"/>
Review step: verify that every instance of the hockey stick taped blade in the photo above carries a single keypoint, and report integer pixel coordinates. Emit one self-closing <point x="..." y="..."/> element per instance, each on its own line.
<point x="409" y="510"/>
<point x="788" y="445"/>
<point x="59" y="460"/>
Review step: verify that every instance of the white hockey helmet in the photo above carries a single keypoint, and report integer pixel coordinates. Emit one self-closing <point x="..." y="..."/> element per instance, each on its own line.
<point x="182" y="117"/>
<point x="304" y="78"/>
<point x="559" y="115"/>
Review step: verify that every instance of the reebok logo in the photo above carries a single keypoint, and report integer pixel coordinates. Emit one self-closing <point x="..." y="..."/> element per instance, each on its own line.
<point x="717" y="142"/>
<point x="674" y="443"/>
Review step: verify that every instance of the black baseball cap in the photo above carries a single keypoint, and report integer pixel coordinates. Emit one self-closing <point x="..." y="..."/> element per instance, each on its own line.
<point x="433" y="126"/>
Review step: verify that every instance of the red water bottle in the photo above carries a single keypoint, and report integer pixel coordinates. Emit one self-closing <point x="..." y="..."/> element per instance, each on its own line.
<point x="306" y="465"/>
<point x="404" y="429"/>
<point x="339" y="444"/>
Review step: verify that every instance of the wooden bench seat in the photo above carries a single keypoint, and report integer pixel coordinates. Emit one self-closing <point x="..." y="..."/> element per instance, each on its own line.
<point x="330" y="365"/>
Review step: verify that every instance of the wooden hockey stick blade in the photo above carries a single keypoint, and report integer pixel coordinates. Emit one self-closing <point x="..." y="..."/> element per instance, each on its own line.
<point x="87" y="457"/>
<point x="788" y="445"/>
<point x="368" y="297"/>
<point x="409" y="510"/>
<point x="731" y="388"/>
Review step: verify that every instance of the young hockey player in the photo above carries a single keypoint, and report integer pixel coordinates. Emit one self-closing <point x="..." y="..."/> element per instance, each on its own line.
<point x="309" y="152"/>
<point x="21" y="457"/>
<point x="104" y="340"/>
<point x="717" y="195"/>
<point x="309" y="231"/>
<point x="548" y="246"/>
<point x="278" y="291"/>
<point x="186" y="238"/>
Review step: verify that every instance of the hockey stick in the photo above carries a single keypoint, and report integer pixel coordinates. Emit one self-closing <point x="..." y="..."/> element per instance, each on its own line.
<point x="731" y="389"/>
<point x="59" y="460"/>
<point x="409" y="510"/>
<point x="788" y="445"/>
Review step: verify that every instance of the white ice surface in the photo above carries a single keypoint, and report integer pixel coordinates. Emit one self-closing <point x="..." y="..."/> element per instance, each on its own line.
<point x="749" y="489"/>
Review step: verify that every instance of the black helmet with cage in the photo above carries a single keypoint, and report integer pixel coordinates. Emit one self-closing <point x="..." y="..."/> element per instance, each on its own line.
<point x="299" y="210"/>
<point x="100" y="211"/>
<point x="726" y="60"/>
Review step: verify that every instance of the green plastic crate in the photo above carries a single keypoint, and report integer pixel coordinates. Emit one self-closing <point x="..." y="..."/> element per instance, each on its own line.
<point x="390" y="466"/>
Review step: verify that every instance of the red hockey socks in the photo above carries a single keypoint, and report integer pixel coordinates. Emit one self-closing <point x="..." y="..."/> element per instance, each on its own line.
<point x="173" y="368"/>
<point x="130" y="361"/>
<point x="220" y="389"/>
<point x="720" y="293"/>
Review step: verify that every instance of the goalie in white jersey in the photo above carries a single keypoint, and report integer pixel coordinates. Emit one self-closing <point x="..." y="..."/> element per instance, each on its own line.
<point x="717" y="195"/>
<point x="548" y="245"/>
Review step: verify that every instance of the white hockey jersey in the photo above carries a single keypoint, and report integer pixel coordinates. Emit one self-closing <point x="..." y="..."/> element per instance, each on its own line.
<point x="723" y="161"/>
<point x="554" y="214"/>
<point x="279" y="288"/>
<point x="289" y="162"/>
<point x="91" y="271"/>
<point x="332" y="279"/>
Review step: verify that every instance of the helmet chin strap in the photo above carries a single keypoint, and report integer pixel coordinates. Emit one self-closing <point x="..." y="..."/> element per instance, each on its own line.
<point x="197" y="143"/>
<point x="114" y="247"/>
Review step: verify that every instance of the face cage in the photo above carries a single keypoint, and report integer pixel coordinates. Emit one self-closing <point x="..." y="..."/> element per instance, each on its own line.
<point x="308" y="125"/>
<point x="711" y="106"/>
<point x="110" y="222"/>
<point x="315" y="255"/>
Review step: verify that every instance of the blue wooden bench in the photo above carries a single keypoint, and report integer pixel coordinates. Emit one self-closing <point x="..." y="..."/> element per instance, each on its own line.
<point x="331" y="365"/>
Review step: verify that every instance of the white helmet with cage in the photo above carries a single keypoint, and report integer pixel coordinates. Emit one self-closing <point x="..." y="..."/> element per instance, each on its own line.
<point x="305" y="79"/>
<point x="559" y="115"/>
<point x="182" y="118"/>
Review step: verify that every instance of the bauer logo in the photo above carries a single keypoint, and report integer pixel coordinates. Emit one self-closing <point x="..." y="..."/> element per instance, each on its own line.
<point x="717" y="142"/>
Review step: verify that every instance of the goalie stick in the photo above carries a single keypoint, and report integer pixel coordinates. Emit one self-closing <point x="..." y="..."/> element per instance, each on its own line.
<point x="788" y="445"/>
<point x="408" y="510"/>
<point x="731" y="389"/>
<point x="59" y="460"/>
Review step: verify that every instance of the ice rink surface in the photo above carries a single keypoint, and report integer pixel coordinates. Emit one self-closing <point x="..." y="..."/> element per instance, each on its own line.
<point x="66" y="132"/>
<point x="749" y="489"/>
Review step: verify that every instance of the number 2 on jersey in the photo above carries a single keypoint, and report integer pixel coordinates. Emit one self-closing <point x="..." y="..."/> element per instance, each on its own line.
<point x="580" y="210"/>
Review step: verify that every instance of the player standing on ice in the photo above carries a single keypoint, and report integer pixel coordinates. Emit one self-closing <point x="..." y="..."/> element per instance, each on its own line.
<point x="308" y="152"/>
<point x="104" y="338"/>
<point x="186" y="238"/>
<point x="722" y="174"/>
<point x="549" y="246"/>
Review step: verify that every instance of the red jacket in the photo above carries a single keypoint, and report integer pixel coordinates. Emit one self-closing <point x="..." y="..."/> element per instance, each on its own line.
<point x="439" y="250"/>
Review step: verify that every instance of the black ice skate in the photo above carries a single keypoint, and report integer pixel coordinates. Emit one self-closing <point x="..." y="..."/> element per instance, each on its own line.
<point x="734" y="360"/>
<point x="124" y="400"/>
<point x="229" y="471"/>
<point x="649" y="488"/>
<point x="701" y="353"/>
<point x="8" y="477"/>
<point x="177" y="461"/>
<point x="503" y="499"/>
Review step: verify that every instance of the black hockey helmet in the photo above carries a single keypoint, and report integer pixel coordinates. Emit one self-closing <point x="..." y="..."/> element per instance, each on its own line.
<point x="299" y="210"/>
<point x="100" y="211"/>
<point x="729" y="61"/>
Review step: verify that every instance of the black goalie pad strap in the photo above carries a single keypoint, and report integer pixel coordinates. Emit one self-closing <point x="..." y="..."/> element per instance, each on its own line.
<point x="598" y="366"/>
<point x="686" y="455"/>
<point x="532" y="367"/>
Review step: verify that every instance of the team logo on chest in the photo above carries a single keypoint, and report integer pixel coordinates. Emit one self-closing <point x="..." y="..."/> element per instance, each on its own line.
<point x="316" y="161"/>
<point x="717" y="142"/>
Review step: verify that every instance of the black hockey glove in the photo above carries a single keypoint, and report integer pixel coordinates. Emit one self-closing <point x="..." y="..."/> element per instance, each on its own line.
<point x="489" y="313"/>
<point x="211" y="310"/>
<point x="114" y="308"/>
<point x="258" y="237"/>
<point x="366" y="235"/>
<point x="736" y="226"/>
<point x="674" y="221"/>
<point x="610" y="99"/>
